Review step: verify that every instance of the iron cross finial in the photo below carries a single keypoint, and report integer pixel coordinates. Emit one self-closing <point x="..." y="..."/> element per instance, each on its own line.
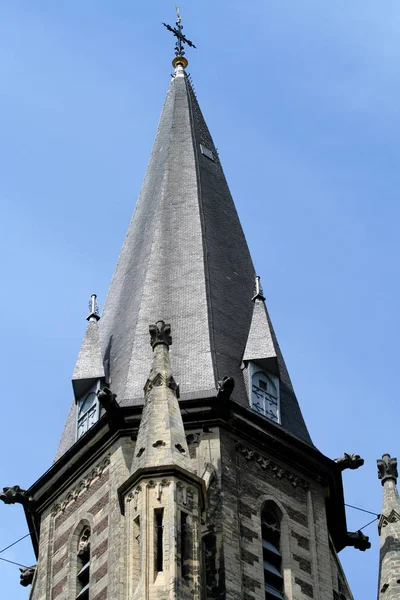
<point x="181" y="39"/>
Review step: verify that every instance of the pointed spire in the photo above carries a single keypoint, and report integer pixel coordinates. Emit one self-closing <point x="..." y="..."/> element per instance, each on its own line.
<point x="89" y="365"/>
<point x="185" y="257"/>
<point x="161" y="437"/>
<point x="389" y="530"/>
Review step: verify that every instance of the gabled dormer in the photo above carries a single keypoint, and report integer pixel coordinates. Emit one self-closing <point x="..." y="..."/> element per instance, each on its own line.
<point x="268" y="385"/>
<point x="89" y="374"/>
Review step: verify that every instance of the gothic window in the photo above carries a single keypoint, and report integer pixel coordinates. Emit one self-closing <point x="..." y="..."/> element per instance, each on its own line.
<point x="185" y="544"/>
<point x="265" y="395"/>
<point x="137" y="552"/>
<point x="83" y="575"/>
<point x="88" y="412"/>
<point x="272" y="558"/>
<point x="159" y="540"/>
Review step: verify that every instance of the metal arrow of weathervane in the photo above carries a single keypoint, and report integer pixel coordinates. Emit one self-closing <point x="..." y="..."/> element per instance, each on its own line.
<point x="181" y="38"/>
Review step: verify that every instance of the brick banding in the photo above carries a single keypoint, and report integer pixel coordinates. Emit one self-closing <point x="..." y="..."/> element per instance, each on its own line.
<point x="58" y="588"/>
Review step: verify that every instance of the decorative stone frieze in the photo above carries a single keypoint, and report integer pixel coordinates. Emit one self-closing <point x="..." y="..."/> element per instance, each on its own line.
<point x="275" y="469"/>
<point x="83" y="484"/>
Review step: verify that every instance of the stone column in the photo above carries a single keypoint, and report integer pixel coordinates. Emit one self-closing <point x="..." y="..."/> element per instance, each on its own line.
<point x="389" y="531"/>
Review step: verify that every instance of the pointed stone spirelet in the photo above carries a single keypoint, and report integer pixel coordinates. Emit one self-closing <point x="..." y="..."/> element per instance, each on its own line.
<point x="89" y="365"/>
<point x="389" y="530"/>
<point x="161" y="437"/>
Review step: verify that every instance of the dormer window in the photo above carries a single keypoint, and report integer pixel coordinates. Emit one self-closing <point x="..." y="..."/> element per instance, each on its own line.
<point x="88" y="411"/>
<point x="264" y="394"/>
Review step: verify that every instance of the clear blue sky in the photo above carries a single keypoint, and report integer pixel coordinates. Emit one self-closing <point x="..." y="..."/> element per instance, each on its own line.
<point x="302" y="99"/>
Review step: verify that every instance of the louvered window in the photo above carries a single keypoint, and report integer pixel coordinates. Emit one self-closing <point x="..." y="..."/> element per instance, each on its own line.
<point x="265" y="395"/>
<point x="83" y="575"/>
<point x="88" y="412"/>
<point x="272" y="558"/>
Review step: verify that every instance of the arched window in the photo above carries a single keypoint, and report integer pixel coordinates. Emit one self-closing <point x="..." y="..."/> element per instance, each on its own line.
<point x="265" y="395"/>
<point x="272" y="557"/>
<point x="83" y="575"/>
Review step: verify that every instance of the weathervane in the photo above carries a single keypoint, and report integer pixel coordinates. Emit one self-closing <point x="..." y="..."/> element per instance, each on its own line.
<point x="181" y="39"/>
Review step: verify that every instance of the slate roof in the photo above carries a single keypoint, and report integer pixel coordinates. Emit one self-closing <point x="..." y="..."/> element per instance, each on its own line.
<point x="184" y="260"/>
<point x="89" y="366"/>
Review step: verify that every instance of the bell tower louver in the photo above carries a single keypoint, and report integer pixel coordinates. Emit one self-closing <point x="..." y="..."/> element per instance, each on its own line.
<point x="197" y="477"/>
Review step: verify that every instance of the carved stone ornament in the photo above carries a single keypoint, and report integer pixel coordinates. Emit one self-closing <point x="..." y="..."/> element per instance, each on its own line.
<point x="193" y="439"/>
<point x="358" y="540"/>
<point x="387" y="468"/>
<point x="84" y="542"/>
<point x="134" y="497"/>
<point x="160" y="333"/>
<point x="27" y="575"/>
<point x="106" y="398"/>
<point x="225" y="388"/>
<point x="276" y="470"/>
<point x="160" y="380"/>
<point x="16" y="495"/>
<point x="349" y="461"/>
<point x="84" y="484"/>
<point x="394" y="517"/>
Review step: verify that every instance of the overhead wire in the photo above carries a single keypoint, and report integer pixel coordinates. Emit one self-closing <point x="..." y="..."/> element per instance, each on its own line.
<point x="363" y="510"/>
<point x="11" y="562"/>
<point x="13" y="544"/>
<point x="370" y="523"/>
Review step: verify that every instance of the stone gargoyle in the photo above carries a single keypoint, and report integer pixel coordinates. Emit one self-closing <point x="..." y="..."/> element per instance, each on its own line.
<point x="16" y="495"/>
<point x="27" y="575"/>
<point x="349" y="461"/>
<point x="358" y="540"/>
<point x="225" y="388"/>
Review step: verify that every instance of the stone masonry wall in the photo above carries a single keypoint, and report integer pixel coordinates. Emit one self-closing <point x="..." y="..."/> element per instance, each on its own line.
<point x="249" y="478"/>
<point x="90" y="500"/>
<point x="238" y="479"/>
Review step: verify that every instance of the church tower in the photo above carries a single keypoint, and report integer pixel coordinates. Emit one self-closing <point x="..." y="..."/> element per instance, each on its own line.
<point x="207" y="490"/>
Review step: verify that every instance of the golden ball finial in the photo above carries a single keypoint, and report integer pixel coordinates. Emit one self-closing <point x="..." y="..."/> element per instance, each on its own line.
<point x="180" y="60"/>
